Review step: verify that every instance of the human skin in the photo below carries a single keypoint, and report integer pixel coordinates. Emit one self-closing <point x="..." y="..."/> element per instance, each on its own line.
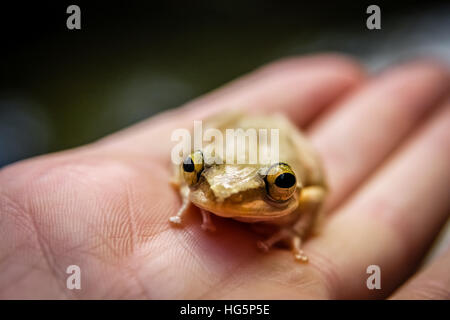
<point x="385" y="144"/>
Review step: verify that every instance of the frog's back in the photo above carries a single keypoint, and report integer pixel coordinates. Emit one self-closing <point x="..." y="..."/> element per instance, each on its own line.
<point x="294" y="148"/>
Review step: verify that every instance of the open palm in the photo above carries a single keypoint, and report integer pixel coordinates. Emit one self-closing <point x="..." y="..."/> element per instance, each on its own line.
<point x="104" y="207"/>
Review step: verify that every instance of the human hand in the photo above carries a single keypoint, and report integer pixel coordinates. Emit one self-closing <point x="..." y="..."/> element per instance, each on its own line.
<point x="385" y="145"/>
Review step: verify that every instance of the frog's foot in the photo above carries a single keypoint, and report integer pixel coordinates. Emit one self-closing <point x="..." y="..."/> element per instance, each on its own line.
<point x="207" y="224"/>
<point x="285" y="234"/>
<point x="175" y="219"/>
<point x="299" y="255"/>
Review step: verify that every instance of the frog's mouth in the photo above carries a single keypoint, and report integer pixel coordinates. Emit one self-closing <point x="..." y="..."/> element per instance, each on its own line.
<point x="250" y="204"/>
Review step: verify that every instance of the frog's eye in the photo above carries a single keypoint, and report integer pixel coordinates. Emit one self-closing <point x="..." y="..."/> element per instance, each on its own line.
<point x="192" y="167"/>
<point x="280" y="182"/>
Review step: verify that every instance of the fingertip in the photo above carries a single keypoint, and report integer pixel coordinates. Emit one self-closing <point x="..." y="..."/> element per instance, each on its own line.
<point x="427" y="70"/>
<point x="341" y="65"/>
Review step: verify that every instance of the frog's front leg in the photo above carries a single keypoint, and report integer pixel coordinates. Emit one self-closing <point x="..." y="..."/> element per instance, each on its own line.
<point x="206" y="216"/>
<point x="207" y="224"/>
<point x="185" y="203"/>
<point x="310" y="202"/>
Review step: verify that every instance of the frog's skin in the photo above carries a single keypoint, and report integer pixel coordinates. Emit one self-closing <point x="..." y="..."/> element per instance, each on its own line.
<point x="238" y="191"/>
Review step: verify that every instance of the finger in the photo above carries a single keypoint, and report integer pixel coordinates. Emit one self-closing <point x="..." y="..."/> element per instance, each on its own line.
<point x="367" y="126"/>
<point x="431" y="283"/>
<point x="298" y="87"/>
<point x="392" y="219"/>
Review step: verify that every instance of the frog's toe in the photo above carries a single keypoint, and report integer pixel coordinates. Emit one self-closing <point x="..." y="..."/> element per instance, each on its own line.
<point x="263" y="246"/>
<point x="175" y="220"/>
<point x="208" y="227"/>
<point x="300" y="256"/>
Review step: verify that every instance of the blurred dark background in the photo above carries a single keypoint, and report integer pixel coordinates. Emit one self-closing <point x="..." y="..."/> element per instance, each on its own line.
<point x="61" y="88"/>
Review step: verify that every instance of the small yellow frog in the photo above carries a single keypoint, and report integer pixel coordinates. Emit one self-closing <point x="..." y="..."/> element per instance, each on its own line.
<point x="286" y="195"/>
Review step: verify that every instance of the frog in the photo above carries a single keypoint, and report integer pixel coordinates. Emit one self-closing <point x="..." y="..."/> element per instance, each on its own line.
<point x="282" y="200"/>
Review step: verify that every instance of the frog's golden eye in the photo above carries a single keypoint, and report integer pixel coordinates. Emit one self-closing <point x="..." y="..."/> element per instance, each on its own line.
<point x="193" y="167"/>
<point x="280" y="182"/>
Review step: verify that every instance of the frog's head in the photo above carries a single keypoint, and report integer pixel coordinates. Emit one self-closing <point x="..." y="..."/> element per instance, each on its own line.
<point x="238" y="190"/>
